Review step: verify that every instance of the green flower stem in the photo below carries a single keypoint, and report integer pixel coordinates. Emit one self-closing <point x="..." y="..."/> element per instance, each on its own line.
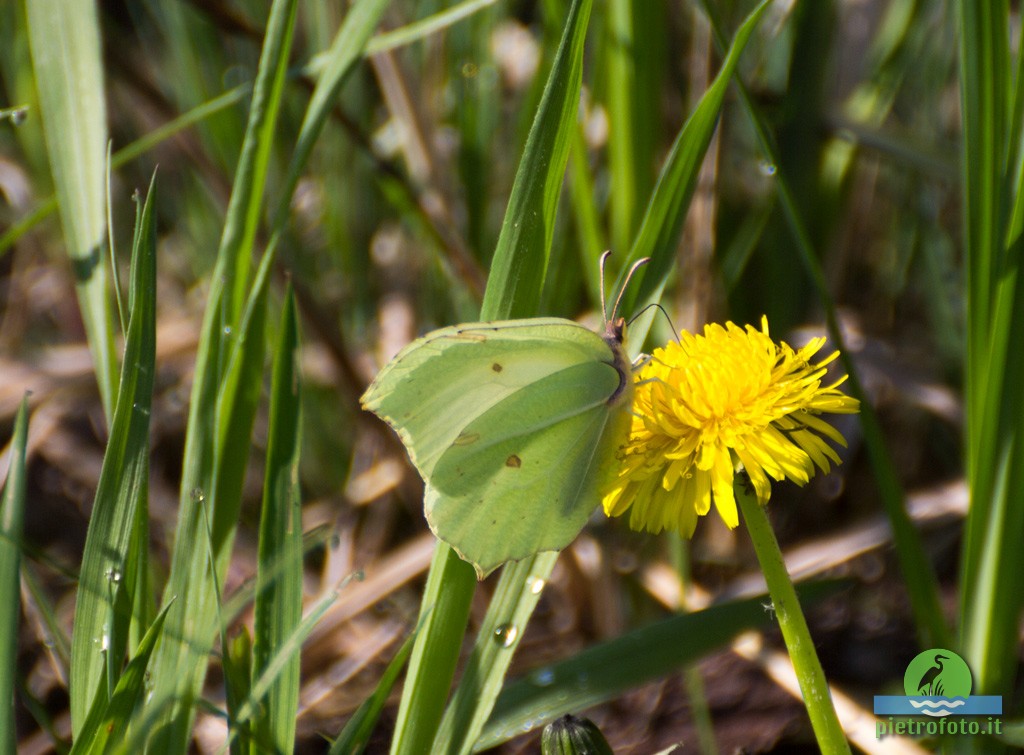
<point x="813" y="686"/>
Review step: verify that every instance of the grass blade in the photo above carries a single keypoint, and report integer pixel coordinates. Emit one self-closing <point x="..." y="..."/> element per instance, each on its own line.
<point x="108" y="720"/>
<point x="278" y="609"/>
<point x="182" y="656"/>
<point x="992" y="559"/>
<point x="103" y="609"/>
<point x="521" y="256"/>
<point x="666" y="211"/>
<point x="519" y="590"/>
<point x="65" y="43"/>
<point x="12" y="518"/>
<point x="513" y="290"/>
<point x="353" y="738"/>
<point x="226" y="351"/>
<point x="605" y="671"/>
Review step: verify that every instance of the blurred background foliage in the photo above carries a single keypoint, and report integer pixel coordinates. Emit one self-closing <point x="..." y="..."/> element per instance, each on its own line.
<point x="391" y="233"/>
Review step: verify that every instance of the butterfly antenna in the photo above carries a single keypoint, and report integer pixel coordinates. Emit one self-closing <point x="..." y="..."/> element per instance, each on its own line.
<point x="663" y="311"/>
<point x="604" y="307"/>
<point x="629" y="276"/>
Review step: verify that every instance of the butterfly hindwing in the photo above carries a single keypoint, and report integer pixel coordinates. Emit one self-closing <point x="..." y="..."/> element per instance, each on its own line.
<point x="523" y="477"/>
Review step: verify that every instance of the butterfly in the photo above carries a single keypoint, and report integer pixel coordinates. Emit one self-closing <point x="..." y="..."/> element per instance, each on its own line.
<point x="513" y="426"/>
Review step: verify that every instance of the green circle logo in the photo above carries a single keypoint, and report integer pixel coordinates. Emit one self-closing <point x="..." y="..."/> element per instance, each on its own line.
<point x="937" y="673"/>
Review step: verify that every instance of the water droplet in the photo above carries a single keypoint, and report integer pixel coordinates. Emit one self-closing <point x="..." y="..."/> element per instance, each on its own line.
<point x="227" y="330"/>
<point x="506" y="634"/>
<point x="141" y="409"/>
<point x="358" y="575"/>
<point x="19" y="116"/>
<point x="197" y="495"/>
<point x="114" y="575"/>
<point x="535" y="584"/>
<point x="767" y="168"/>
<point x="543" y="677"/>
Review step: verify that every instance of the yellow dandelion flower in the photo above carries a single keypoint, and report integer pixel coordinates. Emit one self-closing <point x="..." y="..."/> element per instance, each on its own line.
<point x="710" y="404"/>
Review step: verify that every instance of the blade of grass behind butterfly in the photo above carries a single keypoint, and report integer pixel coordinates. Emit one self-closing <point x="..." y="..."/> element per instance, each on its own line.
<point x="663" y="218"/>
<point x="513" y="290"/>
<point x="12" y="517"/>
<point x="103" y="608"/>
<point x="65" y="43"/>
<point x="634" y="37"/>
<point x="180" y="660"/>
<point x="521" y="583"/>
<point x="914" y="563"/>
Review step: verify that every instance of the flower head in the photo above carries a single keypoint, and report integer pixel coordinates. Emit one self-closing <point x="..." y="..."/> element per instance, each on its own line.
<point x="709" y="404"/>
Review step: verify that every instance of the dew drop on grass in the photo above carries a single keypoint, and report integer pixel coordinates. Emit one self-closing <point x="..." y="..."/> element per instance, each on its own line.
<point x="506" y="634"/>
<point x="197" y="495"/>
<point x="535" y="584"/>
<point x="113" y="575"/>
<point x="767" y="168"/>
<point x="543" y="677"/>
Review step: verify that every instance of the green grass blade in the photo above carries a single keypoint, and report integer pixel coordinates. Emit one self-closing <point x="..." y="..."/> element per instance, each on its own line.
<point x="247" y="189"/>
<point x="278" y="609"/>
<point x="180" y="662"/>
<point x="237" y="663"/>
<point x="444" y="613"/>
<point x="418" y="30"/>
<point x="991" y="600"/>
<point x="666" y="211"/>
<point x="12" y="518"/>
<point x="521" y="256"/>
<point x="108" y="720"/>
<point x="591" y="241"/>
<point x="620" y="59"/>
<point x="513" y="290"/>
<point x="277" y="664"/>
<point x="605" y="671"/>
<point x="353" y="738"/>
<point x="346" y="50"/>
<point x="212" y="517"/>
<point x="103" y="611"/>
<point x="65" y="43"/>
<point x="519" y="589"/>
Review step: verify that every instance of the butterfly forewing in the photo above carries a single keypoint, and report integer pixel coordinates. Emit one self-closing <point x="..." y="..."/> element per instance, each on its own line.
<point x="503" y="420"/>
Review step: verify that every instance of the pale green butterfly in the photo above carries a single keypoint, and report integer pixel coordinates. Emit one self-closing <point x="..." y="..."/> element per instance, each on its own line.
<point x="513" y="425"/>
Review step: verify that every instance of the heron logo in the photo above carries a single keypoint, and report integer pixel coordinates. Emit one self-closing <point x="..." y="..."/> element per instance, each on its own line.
<point x="938" y="684"/>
